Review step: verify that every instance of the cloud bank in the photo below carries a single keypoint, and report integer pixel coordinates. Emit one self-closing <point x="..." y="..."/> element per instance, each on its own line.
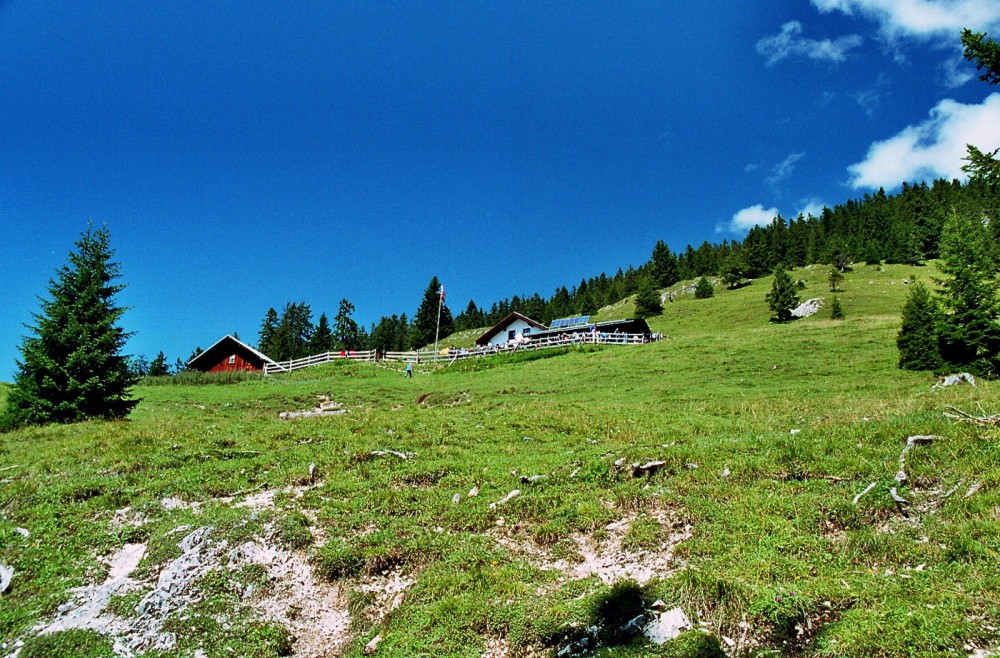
<point x="932" y="149"/>
<point x="789" y="42"/>
<point x="746" y="219"/>
<point x="921" y="18"/>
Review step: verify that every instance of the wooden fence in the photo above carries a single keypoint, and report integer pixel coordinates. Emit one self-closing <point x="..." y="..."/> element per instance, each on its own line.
<point x="316" y="359"/>
<point x="562" y="340"/>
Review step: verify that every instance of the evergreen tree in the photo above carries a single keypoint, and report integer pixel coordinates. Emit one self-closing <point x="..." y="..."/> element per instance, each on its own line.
<point x="663" y="266"/>
<point x="139" y="365"/>
<point x="72" y="367"/>
<point x="783" y="297"/>
<point x="321" y="340"/>
<point x="158" y="367"/>
<point x="425" y="323"/>
<point x="293" y="333"/>
<point x="917" y="339"/>
<point x="703" y="289"/>
<point x="969" y="332"/>
<point x="734" y="270"/>
<point x="836" y="278"/>
<point x="345" y="330"/>
<point x="647" y="300"/>
<point x="836" y="309"/>
<point x="268" y="328"/>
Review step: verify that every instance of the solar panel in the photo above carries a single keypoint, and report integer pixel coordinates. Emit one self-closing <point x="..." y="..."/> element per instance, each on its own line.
<point x="569" y="322"/>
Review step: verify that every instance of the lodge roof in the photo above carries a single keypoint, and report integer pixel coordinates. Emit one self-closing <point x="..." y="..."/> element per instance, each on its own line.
<point x="219" y="347"/>
<point x="499" y="326"/>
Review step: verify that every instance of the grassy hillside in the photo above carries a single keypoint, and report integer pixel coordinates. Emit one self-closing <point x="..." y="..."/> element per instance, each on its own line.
<point x="767" y="433"/>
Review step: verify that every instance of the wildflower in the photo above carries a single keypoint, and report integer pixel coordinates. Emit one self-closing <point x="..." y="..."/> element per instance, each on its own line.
<point x="778" y="597"/>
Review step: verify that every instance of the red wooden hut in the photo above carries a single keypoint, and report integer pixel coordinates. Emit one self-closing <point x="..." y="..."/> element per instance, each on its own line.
<point x="227" y="355"/>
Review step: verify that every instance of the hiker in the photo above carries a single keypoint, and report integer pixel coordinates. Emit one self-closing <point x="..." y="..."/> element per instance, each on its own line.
<point x="409" y="371"/>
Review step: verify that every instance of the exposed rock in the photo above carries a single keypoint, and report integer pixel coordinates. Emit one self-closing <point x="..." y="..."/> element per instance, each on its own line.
<point x="952" y="380"/>
<point x="506" y="499"/>
<point x="402" y="455"/>
<point x="6" y="575"/>
<point x="667" y="625"/>
<point x="373" y="645"/>
<point x="807" y="308"/>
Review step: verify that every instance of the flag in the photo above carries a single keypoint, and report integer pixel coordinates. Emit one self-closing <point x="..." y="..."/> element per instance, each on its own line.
<point x="441" y="292"/>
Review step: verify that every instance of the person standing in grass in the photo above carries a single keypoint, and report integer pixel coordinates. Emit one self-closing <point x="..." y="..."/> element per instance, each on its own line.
<point x="409" y="371"/>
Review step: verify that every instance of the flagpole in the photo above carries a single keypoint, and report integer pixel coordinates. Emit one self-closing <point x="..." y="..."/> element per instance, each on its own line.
<point x="437" y="330"/>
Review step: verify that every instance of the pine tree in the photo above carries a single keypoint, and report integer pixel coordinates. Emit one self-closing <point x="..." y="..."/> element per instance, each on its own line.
<point x="663" y="266"/>
<point x="836" y="278"/>
<point x="917" y="339"/>
<point x="734" y="270"/>
<point x="836" y="309"/>
<point x="783" y="297"/>
<point x="322" y="338"/>
<point x="268" y="328"/>
<point x="969" y="332"/>
<point x="158" y="366"/>
<point x="647" y="300"/>
<point x="346" y="335"/>
<point x="425" y="323"/>
<point x="703" y="289"/>
<point x="72" y="367"/>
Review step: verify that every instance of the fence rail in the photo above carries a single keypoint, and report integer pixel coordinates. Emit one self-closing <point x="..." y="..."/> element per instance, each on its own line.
<point x="563" y="340"/>
<point x="316" y="359"/>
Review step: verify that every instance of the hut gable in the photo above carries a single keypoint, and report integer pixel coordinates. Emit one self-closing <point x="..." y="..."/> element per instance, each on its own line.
<point x="229" y="354"/>
<point x="511" y="326"/>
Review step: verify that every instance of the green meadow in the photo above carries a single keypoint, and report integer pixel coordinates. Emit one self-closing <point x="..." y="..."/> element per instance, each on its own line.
<point x="766" y="433"/>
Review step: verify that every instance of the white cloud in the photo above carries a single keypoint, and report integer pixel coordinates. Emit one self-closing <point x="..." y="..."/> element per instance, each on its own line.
<point x="921" y="18"/>
<point x="746" y="219"/>
<point x="784" y="169"/>
<point x="812" y="207"/>
<point x="789" y="42"/>
<point x="932" y="149"/>
<point x="956" y="73"/>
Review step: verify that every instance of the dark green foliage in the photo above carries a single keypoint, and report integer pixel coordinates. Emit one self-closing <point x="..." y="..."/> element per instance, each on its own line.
<point x="158" y="367"/>
<point x="268" y="328"/>
<point x="346" y="334"/>
<point x="291" y="336"/>
<point x="615" y="608"/>
<point x="703" y="289"/>
<point x="836" y="278"/>
<point x="734" y="270"/>
<point x="969" y="331"/>
<point x="836" y="309"/>
<point x="322" y="338"/>
<point x="985" y="53"/>
<point x="917" y="338"/>
<point x="425" y="323"/>
<point x="391" y="334"/>
<point x="647" y="300"/>
<point x="72" y="367"/>
<point x="663" y="266"/>
<point x="782" y="299"/>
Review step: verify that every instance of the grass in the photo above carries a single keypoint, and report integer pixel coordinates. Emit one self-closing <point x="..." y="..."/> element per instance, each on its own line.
<point x="767" y="432"/>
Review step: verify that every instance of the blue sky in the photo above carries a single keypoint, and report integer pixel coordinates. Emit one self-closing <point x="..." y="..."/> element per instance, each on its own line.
<point x="246" y="154"/>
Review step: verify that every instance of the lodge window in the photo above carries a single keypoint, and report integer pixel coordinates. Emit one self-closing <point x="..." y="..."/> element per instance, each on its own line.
<point x="232" y="359"/>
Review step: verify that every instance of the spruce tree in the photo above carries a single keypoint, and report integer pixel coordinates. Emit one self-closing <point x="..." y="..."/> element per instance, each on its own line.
<point x="346" y="335"/>
<point x="425" y="322"/>
<point x="158" y="366"/>
<point x="647" y="300"/>
<point x="703" y="289"/>
<point x="969" y="332"/>
<point x="783" y="298"/>
<point x="322" y="339"/>
<point x="836" y="278"/>
<point x="268" y="329"/>
<point x="72" y="367"/>
<point x="917" y="339"/>
<point x="663" y="266"/>
<point x="836" y="309"/>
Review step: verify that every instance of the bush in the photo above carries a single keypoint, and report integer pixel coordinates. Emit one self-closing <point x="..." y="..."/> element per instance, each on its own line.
<point x="703" y="289"/>
<point x="836" y="309"/>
